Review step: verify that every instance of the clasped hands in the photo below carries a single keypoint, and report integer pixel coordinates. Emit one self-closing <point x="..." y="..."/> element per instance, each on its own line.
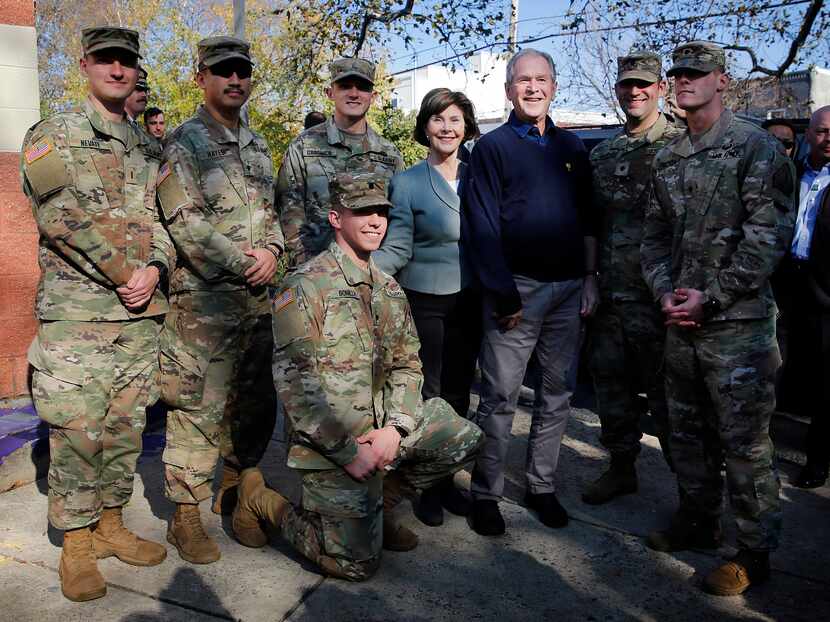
<point x="139" y="289"/>
<point x="683" y="307"/>
<point x="375" y="450"/>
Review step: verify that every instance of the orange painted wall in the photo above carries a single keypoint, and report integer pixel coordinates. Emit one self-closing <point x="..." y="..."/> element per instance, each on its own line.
<point x="18" y="251"/>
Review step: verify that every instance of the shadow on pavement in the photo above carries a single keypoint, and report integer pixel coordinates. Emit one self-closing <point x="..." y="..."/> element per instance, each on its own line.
<point x="210" y="604"/>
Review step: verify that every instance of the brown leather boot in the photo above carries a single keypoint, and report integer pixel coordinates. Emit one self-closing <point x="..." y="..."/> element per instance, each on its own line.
<point x="80" y="579"/>
<point x="227" y="494"/>
<point x="396" y="537"/>
<point x="188" y="535"/>
<point x="256" y="502"/>
<point x="111" y="537"/>
<point x="734" y="577"/>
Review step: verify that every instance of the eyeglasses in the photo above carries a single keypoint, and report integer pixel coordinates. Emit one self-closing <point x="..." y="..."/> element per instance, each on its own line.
<point x="788" y="144"/>
<point x="227" y="68"/>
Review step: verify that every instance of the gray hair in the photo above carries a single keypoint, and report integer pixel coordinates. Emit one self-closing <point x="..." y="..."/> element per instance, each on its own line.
<point x="511" y="64"/>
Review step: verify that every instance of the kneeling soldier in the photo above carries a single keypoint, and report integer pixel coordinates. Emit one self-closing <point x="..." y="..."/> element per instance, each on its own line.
<point x="347" y="369"/>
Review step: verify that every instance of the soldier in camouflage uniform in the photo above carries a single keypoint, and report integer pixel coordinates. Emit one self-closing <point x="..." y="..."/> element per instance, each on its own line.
<point x="347" y="369"/>
<point x="345" y="143"/>
<point x="627" y="333"/>
<point x="718" y="222"/>
<point x="91" y="180"/>
<point x="216" y="190"/>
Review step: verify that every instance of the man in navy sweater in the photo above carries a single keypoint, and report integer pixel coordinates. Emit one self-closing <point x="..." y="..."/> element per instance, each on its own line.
<point x="529" y="231"/>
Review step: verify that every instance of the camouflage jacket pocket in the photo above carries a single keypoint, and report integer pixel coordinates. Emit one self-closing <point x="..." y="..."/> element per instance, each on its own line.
<point x="182" y="373"/>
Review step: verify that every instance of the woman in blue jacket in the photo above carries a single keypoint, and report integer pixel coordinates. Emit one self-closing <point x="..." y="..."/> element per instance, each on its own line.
<point x="422" y="251"/>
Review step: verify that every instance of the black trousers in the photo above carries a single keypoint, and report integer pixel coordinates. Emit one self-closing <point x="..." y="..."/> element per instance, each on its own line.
<point x="449" y="327"/>
<point x="806" y="376"/>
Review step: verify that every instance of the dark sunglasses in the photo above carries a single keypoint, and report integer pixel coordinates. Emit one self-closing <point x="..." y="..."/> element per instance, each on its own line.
<point x="788" y="144"/>
<point x="226" y="69"/>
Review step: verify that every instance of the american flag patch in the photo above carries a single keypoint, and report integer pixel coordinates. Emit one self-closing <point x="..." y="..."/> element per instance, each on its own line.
<point x="283" y="300"/>
<point x="164" y="173"/>
<point x="38" y="150"/>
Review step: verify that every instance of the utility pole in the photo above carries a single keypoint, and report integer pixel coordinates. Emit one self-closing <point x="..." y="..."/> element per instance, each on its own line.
<point x="239" y="33"/>
<point x="512" y="37"/>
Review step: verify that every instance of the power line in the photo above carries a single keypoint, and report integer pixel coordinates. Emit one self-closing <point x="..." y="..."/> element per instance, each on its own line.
<point x="663" y="22"/>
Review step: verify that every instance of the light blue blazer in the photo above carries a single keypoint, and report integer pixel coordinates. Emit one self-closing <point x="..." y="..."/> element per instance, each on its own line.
<point x="421" y="246"/>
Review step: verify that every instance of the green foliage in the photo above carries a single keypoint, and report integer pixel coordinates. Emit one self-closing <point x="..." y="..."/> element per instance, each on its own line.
<point x="397" y="127"/>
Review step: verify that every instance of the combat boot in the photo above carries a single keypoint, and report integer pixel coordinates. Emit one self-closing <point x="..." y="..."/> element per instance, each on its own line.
<point x="687" y="532"/>
<point x="80" y="579"/>
<point x="188" y="535"/>
<point x="256" y="502"/>
<point x="111" y="537"/>
<point x="738" y="574"/>
<point x="396" y="537"/>
<point x="620" y="479"/>
<point x="226" y="496"/>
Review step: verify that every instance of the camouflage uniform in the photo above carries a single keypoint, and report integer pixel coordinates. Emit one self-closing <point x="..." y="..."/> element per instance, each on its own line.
<point x="313" y="160"/>
<point x="216" y="190"/>
<point x="627" y="332"/>
<point x="719" y="220"/>
<point x="92" y="185"/>
<point x="346" y="362"/>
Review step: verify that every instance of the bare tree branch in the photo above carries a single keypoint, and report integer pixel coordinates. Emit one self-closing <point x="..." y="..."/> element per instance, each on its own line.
<point x="386" y="18"/>
<point x="810" y="16"/>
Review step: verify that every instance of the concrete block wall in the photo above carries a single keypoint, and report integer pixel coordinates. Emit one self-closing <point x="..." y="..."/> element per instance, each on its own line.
<point x="19" y="109"/>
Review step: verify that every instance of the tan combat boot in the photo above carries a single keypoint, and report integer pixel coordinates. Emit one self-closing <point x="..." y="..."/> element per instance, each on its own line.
<point x="80" y="579"/>
<point x="735" y="577"/>
<point x="188" y="535"/>
<point x="111" y="537"/>
<point x="396" y="537"/>
<point x="256" y="503"/>
<point x="227" y="494"/>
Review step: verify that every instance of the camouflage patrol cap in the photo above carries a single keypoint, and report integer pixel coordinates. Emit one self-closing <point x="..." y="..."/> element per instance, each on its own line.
<point x="354" y="193"/>
<point x="141" y="83"/>
<point x="639" y="65"/>
<point x="357" y="67"/>
<point x="216" y="49"/>
<point x="699" y="56"/>
<point x="106" y="37"/>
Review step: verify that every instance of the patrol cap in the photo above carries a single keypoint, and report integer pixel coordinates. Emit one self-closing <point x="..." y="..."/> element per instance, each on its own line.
<point x="353" y="193"/>
<point x="141" y="83"/>
<point x="216" y="49"/>
<point x="699" y="56"/>
<point x="358" y="67"/>
<point x="639" y="65"/>
<point x="106" y="37"/>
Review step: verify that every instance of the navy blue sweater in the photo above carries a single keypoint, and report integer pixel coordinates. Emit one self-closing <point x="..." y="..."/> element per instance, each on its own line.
<point x="526" y="210"/>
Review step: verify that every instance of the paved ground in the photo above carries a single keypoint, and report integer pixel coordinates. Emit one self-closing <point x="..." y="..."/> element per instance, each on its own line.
<point x="595" y="569"/>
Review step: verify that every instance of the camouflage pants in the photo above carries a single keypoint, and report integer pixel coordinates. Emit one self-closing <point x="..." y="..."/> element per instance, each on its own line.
<point x="92" y="383"/>
<point x="720" y="385"/>
<point x="625" y="358"/>
<point x="340" y="523"/>
<point x="216" y="377"/>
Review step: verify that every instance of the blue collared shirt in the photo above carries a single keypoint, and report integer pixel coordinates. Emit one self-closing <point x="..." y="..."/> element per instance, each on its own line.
<point x="529" y="130"/>
<point x="812" y="185"/>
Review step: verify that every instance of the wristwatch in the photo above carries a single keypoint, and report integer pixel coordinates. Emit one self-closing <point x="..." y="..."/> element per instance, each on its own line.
<point x="711" y="308"/>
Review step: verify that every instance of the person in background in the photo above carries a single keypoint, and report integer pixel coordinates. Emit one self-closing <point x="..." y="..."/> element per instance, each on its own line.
<point x="421" y="250"/>
<point x="154" y="122"/>
<point x="783" y="131"/>
<point x="806" y="274"/>
<point x="313" y="118"/>
<point x="137" y="101"/>
<point x="529" y="226"/>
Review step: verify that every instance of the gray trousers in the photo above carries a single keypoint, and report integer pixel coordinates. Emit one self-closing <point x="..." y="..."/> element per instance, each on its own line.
<point x="550" y="325"/>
